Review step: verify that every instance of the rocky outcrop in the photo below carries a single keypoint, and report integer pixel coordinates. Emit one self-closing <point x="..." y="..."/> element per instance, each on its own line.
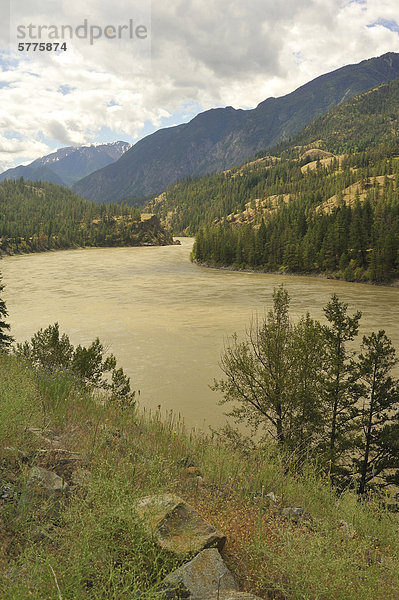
<point x="203" y="576"/>
<point x="47" y="482"/>
<point x="177" y="526"/>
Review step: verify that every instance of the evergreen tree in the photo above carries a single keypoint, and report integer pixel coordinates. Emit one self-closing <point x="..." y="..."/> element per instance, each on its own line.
<point x="258" y="371"/>
<point x="5" y="339"/>
<point x="341" y="401"/>
<point x="49" y="350"/>
<point x="379" y="393"/>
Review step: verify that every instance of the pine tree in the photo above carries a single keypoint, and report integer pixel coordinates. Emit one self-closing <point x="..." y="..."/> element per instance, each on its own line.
<point x="341" y="400"/>
<point x="5" y="339"/>
<point x="258" y="371"/>
<point x="379" y="408"/>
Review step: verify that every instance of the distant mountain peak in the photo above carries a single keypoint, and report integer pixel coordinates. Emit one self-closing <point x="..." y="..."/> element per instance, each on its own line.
<point x="67" y="165"/>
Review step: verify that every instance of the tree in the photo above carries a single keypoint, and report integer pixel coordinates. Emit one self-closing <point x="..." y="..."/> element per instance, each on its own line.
<point x="90" y="365"/>
<point x="380" y="395"/>
<point x="276" y="377"/>
<point x="48" y="350"/>
<point x="5" y="339"/>
<point x="309" y="371"/>
<point x="339" y="382"/>
<point x="258" y="371"/>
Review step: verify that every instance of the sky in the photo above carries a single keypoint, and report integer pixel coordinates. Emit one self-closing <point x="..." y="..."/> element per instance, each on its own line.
<point x="173" y="60"/>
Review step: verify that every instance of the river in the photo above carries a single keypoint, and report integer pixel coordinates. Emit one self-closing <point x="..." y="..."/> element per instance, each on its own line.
<point x="164" y="318"/>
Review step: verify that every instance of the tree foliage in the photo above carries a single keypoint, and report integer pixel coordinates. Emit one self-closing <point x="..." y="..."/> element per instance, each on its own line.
<point x="5" y="339"/>
<point x="39" y="216"/>
<point x="49" y="350"/>
<point x="299" y="383"/>
<point x="379" y="394"/>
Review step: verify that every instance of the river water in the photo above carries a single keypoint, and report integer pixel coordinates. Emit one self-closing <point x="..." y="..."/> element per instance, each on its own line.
<point x="164" y="318"/>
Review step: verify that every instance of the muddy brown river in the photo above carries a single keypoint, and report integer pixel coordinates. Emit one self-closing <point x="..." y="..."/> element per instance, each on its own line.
<point x="164" y="318"/>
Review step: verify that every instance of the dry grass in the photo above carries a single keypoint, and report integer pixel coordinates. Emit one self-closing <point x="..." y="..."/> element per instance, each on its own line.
<point x="95" y="543"/>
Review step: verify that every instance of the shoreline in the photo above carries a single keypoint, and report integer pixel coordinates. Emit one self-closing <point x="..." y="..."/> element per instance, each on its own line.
<point x="393" y="284"/>
<point x="4" y="254"/>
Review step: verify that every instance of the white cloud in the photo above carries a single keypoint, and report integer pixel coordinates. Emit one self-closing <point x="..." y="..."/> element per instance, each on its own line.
<point x="200" y="53"/>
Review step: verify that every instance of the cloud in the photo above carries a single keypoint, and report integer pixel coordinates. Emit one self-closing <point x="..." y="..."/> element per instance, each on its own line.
<point x="199" y="54"/>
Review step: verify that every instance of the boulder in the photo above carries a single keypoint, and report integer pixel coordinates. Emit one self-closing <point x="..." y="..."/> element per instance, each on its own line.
<point x="47" y="482"/>
<point x="177" y="526"/>
<point x="173" y="591"/>
<point x="203" y="576"/>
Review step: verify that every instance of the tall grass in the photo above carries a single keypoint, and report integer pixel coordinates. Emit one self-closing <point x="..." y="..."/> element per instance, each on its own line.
<point x="92" y="545"/>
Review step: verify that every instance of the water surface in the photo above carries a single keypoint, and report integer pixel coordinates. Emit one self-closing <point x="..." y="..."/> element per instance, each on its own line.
<point x="164" y="318"/>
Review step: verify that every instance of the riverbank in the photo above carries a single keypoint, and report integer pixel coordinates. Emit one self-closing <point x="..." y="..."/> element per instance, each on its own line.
<point x="88" y="543"/>
<point x="330" y="276"/>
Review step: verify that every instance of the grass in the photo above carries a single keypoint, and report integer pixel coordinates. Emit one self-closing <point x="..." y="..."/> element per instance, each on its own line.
<point x="91" y="545"/>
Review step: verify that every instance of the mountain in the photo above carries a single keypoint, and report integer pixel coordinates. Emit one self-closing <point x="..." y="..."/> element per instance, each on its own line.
<point x="326" y="203"/>
<point x="362" y="123"/>
<point x="39" y="216"/>
<point x="221" y="138"/>
<point x="68" y="165"/>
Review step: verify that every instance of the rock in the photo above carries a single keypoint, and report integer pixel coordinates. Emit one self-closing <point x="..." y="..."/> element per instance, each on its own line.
<point x="64" y="462"/>
<point x="186" y="461"/>
<point x="177" y="526"/>
<point x="47" y="482"/>
<point x="348" y="529"/>
<point x="272" y="496"/>
<point x="204" y="575"/>
<point x="293" y="512"/>
<point x="6" y="493"/>
<point x="173" y="591"/>
<point x="81" y="478"/>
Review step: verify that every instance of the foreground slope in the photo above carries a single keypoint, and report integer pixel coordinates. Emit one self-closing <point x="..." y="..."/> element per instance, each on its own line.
<point x="89" y="544"/>
<point x="219" y="138"/>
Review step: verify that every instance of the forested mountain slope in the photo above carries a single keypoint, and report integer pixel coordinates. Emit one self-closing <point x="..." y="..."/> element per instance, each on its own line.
<point x="305" y="210"/>
<point x="42" y="216"/>
<point x="220" y="138"/>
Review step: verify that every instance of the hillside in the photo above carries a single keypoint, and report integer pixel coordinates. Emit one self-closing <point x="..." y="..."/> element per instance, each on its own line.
<point x="359" y="124"/>
<point x="68" y="165"/>
<point x="73" y="471"/>
<point x="322" y="212"/>
<point x="42" y="216"/>
<point x="220" y="138"/>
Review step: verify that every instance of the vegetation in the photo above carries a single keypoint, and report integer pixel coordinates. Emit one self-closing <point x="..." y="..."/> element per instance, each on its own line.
<point x="326" y="202"/>
<point x="355" y="238"/>
<point x="91" y="543"/>
<point x="48" y="351"/>
<point x="300" y="384"/>
<point x="38" y="216"/>
<point x="356" y="125"/>
<point x="5" y="338"/>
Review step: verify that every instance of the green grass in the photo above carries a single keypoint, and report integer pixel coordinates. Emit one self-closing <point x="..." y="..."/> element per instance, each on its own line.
<point x="93" y="546"/>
